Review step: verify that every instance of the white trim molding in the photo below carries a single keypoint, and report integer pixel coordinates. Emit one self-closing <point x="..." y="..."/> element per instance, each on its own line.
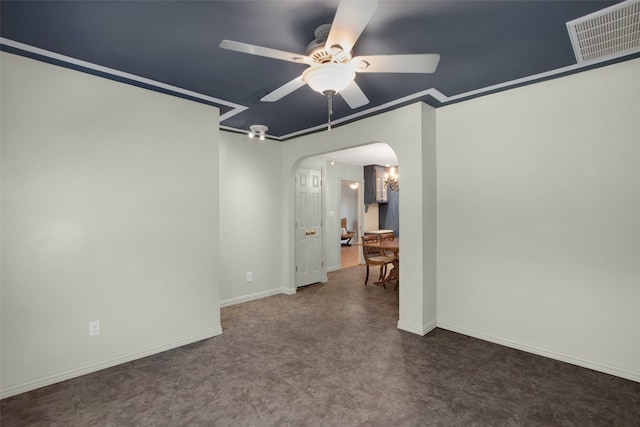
<point x="107" y="363"/>
<point x="414" y="329"/>
<point x="542" y="351"/>
<point x="255" y="296"/>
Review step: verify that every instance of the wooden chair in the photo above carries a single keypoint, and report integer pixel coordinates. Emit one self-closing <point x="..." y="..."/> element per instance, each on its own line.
<point x="388" y="236"/>
<point x="344" y="234"/>
<point x="373" y="257"/>
<point x="394" y="275"/>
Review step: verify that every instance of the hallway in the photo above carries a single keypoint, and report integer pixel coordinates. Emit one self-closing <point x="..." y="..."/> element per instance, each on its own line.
<point x="349" y="255"/>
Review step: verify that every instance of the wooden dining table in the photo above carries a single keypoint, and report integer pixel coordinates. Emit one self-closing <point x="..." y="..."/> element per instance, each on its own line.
<point x="393" y="246"/>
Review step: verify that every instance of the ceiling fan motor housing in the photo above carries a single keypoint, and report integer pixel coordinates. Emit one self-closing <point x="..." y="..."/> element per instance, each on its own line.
<point x="316" y="49"/>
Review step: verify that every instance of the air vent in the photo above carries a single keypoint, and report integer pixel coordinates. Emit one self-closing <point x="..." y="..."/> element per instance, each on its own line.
<point x="610" y="32"/>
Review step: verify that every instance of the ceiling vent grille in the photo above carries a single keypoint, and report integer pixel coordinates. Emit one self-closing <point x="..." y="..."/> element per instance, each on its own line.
<point x="610" y="32"/>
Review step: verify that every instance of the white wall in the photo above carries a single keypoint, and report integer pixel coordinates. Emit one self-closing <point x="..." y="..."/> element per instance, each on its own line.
<point x="429" y="216"/>
<point x="250" y="218"/>
<point x="109" y="213"/>
<point x="539" y="218"/>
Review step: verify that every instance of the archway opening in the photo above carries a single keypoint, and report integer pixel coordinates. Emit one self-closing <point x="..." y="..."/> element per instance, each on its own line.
<point x="346" y="215"/>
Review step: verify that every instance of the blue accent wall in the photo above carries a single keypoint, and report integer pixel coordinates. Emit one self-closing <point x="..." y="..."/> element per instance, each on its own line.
<point x="389" y="213"/>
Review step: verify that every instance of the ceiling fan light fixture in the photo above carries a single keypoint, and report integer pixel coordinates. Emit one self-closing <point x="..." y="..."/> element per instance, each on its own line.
<point x="328" y="77"/>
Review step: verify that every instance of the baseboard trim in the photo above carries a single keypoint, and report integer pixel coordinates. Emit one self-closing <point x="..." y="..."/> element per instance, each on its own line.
<point x="254" y="296"/>
<point x="422" y="331"/>
<point x="429" y="327"/>
<point x="107" y="363"/>
<point x="542" y="351"/>
<point x="334" y="268"/>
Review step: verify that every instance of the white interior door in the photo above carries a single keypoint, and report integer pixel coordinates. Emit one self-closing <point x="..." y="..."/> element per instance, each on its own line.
<point x="308" y="227"/>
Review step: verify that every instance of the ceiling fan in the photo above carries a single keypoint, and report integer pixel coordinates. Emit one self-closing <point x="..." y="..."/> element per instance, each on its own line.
<point x="332" y="68"/>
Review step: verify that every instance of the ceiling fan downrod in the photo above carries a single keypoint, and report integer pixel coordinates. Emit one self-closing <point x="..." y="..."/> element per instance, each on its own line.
<point x="329" y="94"/>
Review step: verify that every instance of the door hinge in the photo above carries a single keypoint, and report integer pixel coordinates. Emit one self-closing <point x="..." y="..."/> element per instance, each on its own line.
<point x="296" y="268"/>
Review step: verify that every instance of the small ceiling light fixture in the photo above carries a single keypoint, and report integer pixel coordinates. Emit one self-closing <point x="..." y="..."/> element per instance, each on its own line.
<point x="258" y="130"/>
<point x="332" y="161"/>
<point x="353" y="185"/>
<point x="391" y="180"/>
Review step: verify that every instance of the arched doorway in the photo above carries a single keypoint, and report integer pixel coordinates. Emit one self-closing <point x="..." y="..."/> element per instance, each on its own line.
<point x="410" y="132"/>
<point x="346" y="166"/>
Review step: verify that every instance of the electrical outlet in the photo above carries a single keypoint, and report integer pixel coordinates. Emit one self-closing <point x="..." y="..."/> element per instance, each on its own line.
<point x="94" y="328"/>
<point x="249" y="276"/>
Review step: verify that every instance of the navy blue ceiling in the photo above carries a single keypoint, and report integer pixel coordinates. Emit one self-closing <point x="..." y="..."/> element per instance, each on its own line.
<point x="175" y="43"/>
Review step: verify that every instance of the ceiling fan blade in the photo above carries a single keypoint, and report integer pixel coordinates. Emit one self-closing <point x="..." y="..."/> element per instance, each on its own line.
<point x="284" y="90"/>
<point x="350" y="20"/>
<point x="418" y="63"/>
<point x="354" y="96"/>
<point x="265" y="51"/>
